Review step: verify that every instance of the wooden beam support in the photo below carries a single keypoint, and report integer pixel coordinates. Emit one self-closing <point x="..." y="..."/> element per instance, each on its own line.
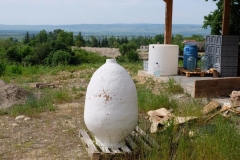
<point x="226" y="17"/>
<point x="216" y="87"/>
<point x="168" y="22"/>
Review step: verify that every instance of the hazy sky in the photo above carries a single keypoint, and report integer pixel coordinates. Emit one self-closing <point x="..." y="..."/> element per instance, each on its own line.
<point x="55" y="12"/>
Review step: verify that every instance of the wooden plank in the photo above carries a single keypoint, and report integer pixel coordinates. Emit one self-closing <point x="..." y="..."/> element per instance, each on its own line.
<point x="215" y="87"/>
<point x="131" y="148"/>
<point x="89" y="145"/>
<point x="191" y="73"/>
<point x="139" y="140"/>
<point x="211" y="106"/>
<point x="104" y="149"/>
<point x="116" y="150"/>
<point x="150" y="140"/>
<point x="126" y="149"/>
<point x="131" y="142"/>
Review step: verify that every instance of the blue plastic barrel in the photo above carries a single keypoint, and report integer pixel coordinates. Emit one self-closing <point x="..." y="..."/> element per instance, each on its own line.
<point x="190" y="50"/>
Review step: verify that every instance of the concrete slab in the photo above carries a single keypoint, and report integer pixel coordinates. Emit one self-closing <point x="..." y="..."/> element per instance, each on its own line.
<point x="188" y="83"/>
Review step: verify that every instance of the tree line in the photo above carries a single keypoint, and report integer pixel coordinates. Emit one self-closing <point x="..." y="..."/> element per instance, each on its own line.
<point x="56" y="47"/>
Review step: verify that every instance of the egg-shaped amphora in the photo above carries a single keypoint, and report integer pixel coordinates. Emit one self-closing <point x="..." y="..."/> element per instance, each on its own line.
<point x="111" y="107"/>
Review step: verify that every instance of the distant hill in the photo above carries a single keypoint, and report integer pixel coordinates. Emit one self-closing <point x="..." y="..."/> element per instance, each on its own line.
<point x="107" y="29"/>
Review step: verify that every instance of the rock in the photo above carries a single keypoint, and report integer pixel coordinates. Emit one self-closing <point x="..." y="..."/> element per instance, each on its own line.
<point x="64" y="131"/>
<point x="27" y="118"/>
<point x="14" y="124"/>
<point x="20" y="117"/>
<point x="11" y="94"/>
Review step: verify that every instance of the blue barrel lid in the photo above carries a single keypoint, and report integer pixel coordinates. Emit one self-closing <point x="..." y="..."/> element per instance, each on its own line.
<point x="191" y="44"/>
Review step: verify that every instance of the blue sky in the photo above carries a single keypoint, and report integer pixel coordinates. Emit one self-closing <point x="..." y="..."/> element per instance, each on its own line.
<point x="58" y="12"/>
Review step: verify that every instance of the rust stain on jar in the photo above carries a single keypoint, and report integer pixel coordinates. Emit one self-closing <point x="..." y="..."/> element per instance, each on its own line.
<point x="107" y="97"/>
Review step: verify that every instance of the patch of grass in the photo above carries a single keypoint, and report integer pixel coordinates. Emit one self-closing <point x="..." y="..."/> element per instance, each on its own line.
<point x="79" y="95"/>
<point x="216" y="139"/>
<point x="219" y="142"/>
<point x="180" y="63"/>
<point x="171" y="86"/>
<point x="78" y="92"/>
<point x="80" y="88"/>
<point x="85" y="66"/>
<point x="3" y="112"/>
<point x="15" y="69"/>
<point x="188" y="107"/>
<point x="62" y="95"/>
<point x="71" y="131"/>
<point x="74" y="89"/>
<point x="149" y="101"/>
<point x="24" y="145"/>
<point x="32" y="106"/>
<point x="133" y="68"/>
<point x="33" y="78"/>
<point x="2" y="136"/>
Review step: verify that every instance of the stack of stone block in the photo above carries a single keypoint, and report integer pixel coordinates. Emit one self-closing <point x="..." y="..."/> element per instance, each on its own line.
<point x="222" y="54"/>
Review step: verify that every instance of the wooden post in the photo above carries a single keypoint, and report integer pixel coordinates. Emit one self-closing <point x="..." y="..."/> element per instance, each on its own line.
<point x="168" y="22"/>
<point x="226" y="17"/>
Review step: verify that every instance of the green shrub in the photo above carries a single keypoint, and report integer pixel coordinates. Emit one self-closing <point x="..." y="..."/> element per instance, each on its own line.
<point x="128" y="53"/>
<point x="32" y="106"/>
<point x="2" y="68"/>
<point x="15" y="69"/>
<point x="82" y="56"/>
<point x="173" y="87"/>
<point x="131" y="56"/>
<point x="61" y="58"/>
<point x="126" y="48"/>
<point x="13" y="54"/>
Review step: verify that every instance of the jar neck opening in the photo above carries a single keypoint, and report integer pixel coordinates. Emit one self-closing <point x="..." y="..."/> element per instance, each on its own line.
<point x="111" y="61"/>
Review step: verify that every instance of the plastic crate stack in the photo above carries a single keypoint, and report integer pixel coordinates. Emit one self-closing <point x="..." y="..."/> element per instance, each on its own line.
<point x="222" y="53"/>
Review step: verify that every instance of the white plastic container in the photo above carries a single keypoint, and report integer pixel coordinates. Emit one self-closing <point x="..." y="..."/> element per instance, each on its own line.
<point x="111" y="105"/>
<point x="167" y="57"/>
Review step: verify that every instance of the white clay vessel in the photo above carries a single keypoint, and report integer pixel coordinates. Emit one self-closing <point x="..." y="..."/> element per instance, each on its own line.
<point x="111" y="108"/>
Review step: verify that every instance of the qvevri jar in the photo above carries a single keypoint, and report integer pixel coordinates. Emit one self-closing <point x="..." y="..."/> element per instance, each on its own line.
<point x="111" y="107"/>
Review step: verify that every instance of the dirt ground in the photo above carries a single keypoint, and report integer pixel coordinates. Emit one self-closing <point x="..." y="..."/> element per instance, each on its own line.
<point x="113" y="52"/>
<point x="109" y="52"/>
<point x="47" y="135"/>
<point x="50" y="135"/>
